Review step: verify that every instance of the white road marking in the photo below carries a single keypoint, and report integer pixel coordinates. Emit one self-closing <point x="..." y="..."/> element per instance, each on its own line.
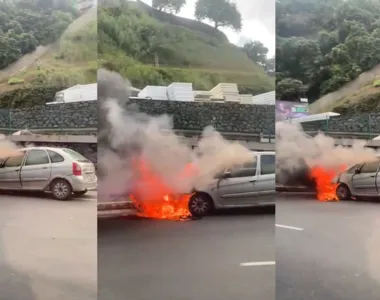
<point x="289" y="227"/>
<point x="258" y="264"/>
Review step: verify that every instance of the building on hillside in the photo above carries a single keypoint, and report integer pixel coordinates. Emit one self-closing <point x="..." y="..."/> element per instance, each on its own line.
<point x="82" y="92"/>
<point x="268" y="98"/>
<point x="221" y="93"/>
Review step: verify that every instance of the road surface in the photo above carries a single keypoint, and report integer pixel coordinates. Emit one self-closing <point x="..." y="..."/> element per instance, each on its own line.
<point x="47" y="248"/>
<point x="327" y="250"/>
<point x="224" y="257"/>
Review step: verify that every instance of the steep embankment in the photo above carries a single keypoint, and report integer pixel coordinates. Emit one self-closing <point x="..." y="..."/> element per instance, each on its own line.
<point x="152" y="47"/>
<point x="35" y="78"/>
<point x="361" y="95"/>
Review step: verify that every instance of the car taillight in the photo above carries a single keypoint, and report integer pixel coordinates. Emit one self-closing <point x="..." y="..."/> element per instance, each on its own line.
<point x="77" y="170"/>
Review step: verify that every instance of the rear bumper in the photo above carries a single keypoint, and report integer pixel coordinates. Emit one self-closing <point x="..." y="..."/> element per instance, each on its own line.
<point x="79" y="184"/>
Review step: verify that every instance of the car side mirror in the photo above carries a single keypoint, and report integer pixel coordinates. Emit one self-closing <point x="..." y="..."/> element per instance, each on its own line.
<point x="357" y="171"/>
<point x="226" y="175"/>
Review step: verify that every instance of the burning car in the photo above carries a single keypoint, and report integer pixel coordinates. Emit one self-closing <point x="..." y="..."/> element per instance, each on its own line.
<point x="253" y="184"/>
<point x="360" y="180"/>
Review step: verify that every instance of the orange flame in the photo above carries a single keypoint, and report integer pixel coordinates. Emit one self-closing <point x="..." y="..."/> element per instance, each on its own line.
<point x="154" y="199"/>
<point x="326" y="188"/>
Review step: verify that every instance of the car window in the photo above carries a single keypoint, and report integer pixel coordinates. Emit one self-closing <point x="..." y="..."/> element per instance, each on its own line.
<point x="268" y="164"/>
<point x="352" y="169"/>
<point x="247" y="170"/>
<point x="370" y="167"/>
<point x="36" y="157"/>
<point x="14" y="161"/>
<point x="55" y="157"/>
<point x="75" y="155"/>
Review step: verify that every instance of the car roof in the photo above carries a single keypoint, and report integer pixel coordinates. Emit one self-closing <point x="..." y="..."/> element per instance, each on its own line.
<point x="41" y="147"/>
<point x="264" y="152"/>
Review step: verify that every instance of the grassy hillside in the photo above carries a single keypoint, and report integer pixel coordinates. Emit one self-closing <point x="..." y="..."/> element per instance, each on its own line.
<point x="134" y="37"/>
<point x="71" y="60"/>
<point x="361" y="95"/>
<point x="25" y="25"/>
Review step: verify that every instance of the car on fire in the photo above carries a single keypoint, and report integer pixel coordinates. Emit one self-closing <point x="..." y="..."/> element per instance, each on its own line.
<point x="62" y="172"/>
<point x="251" y="185"/>
<point x="360" y="180"/>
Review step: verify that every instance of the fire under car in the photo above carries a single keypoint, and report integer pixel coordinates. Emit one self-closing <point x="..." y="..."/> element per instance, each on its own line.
<point x="253" y="184"/>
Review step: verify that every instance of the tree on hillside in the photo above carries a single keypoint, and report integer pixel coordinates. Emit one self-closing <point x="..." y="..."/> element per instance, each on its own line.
<point x="222" y="13"/>
<point x="171" y="6"/>
<point x="326" y="44"/>
<point x="270" y="66"/>
<point x="290" y="89"/>
<point x="26" y="24"/>
<point x="256" y="51"/>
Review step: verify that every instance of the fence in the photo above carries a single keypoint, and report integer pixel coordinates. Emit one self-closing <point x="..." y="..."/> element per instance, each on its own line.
<point x="73" y="117"/>
<point x="366" y="126"/>
<point x="251" y="121"/>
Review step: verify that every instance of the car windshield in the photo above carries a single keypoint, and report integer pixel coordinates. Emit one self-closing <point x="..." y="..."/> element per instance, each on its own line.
<point x="75" y="155"/>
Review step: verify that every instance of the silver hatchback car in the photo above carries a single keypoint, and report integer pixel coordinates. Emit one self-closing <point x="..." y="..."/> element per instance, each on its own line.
<point x="361" y="180"/>
<point x="253" y="184"/>
<point x="61" y="171"/>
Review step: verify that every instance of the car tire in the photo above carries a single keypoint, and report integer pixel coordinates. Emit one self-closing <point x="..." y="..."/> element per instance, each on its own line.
<point x="61" y="189"/>
<point x="200" y="204"/>
<point x="343" y="192"/>
<point x="81" y="193"/>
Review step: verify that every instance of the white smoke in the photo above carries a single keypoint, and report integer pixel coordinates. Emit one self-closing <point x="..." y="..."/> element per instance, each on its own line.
<point x="295" y="149"/>
<point x="124" y="134"/>
<point x="7" y="148"/>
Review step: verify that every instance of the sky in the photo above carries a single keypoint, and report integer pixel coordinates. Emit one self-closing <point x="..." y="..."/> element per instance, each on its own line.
<point x="258" y="19"/>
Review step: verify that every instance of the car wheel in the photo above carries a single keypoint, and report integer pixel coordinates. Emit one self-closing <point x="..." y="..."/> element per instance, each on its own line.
<point x="81" y="193"/>
<point x="343" y="192"/>
<point x="200" y="204"/>
<point x="61" y="189"/>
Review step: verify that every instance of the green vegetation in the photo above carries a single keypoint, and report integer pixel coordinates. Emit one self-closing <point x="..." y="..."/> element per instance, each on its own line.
<point x="72" y="60"/>
<point x="376" y="83"/>
<point x="152" y="47"/>
<point x="27" y="97"/>
<point x="171" y="6"/>
<point x="325" y="45"/>
<point x="15" y="80"/>
<point x="222" y="13"/>
<point x="26" y="24"/>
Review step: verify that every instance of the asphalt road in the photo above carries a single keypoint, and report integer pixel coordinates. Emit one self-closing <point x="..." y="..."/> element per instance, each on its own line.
<point x="47" y="248"/>
<point x="212" y="258"/>
<point x="332" y="253"/>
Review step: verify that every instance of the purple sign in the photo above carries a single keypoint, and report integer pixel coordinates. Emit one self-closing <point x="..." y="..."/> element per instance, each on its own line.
<point x="286" y="110"/>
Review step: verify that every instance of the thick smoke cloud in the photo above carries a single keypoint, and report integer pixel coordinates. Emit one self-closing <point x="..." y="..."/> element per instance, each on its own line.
<point x="126" y="134"/>
<point x="297" y="153"/>
<point x="7" y="148"/>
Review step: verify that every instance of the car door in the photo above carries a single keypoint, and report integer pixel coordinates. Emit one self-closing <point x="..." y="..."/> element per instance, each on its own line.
<point x="10" y="172"/>
<point x="266" y="181"/>
<point x="364" y="182"/>
<point x="36" y="171"/>
<point x="239" y="188"/>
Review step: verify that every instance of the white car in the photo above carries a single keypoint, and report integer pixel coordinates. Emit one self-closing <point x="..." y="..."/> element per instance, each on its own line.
<point x="61" y="171"/>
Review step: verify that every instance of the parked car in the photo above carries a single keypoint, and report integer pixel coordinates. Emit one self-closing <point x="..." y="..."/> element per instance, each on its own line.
<point x="361" y="180"/>
<point x="61" y="171"/>
<point x="250" y="185"/>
